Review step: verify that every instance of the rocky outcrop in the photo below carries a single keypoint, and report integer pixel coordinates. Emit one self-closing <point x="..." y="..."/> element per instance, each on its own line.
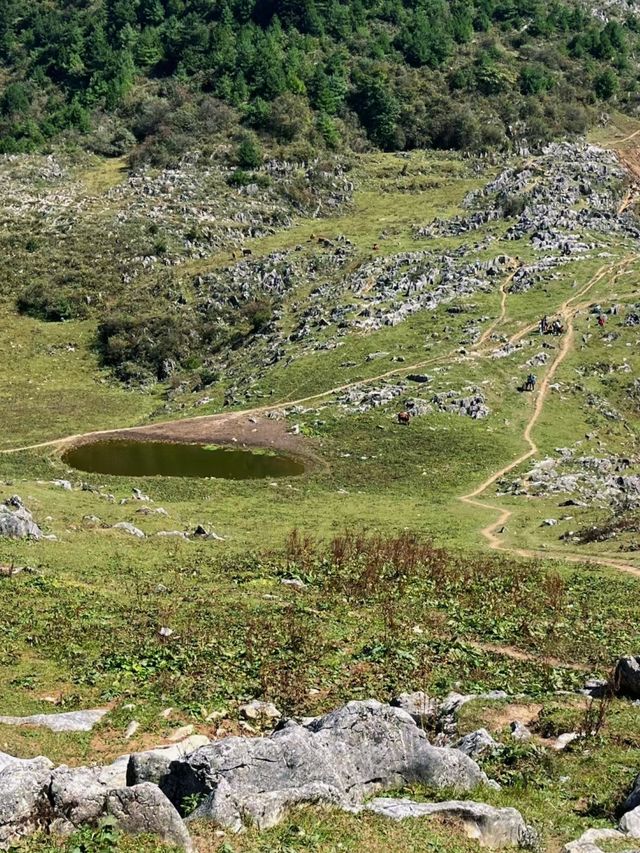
<point x="490" y="826"/>
<point x="339" y="758"/>
<point x="630" y="823"/>
<point x="70" y="721"/>
<point x="588" y="841"/>
<point x="16" y="522"/>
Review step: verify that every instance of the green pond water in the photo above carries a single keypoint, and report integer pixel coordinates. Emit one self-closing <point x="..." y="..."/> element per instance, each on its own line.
<point x="168" y="459"/>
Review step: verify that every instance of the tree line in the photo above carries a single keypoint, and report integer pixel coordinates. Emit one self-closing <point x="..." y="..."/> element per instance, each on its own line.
<point x="392" y="73"/>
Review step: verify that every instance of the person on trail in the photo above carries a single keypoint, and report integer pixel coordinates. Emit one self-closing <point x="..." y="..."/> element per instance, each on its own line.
<point x="557" y="327"/>
<point x="544" y="325"/>
<point x="601" y="320"/>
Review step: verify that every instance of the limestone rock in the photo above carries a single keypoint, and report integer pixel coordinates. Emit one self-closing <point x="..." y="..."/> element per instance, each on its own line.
<point x="16" y="522"/>
<point x="587" y="843"/>
<point x="477" y="743"/>
<point x="257" y="710"/>
<point x="23" y="763"/>
<point x="630" y="823"/>
<point x="341" y="758"/>
<point x="77" y="796"/>
<point x="418" y="705"/>
<point x="153" y="765"/>
<point x="490" y="826"/>
<point x="144" y="809"/>
<point x="129" y="528"/>
<point x="519" y="731"/>
<point x="24" y="804"/>
<point x="70" y="721"/>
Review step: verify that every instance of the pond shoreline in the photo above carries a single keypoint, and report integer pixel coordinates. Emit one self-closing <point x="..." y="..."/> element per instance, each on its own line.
<point x="233" y="430"/>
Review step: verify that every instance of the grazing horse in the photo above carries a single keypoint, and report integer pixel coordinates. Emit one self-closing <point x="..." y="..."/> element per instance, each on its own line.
<point x="404" y="417"/>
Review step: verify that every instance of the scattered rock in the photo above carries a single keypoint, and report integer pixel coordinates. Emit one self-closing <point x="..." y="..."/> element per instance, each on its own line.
<point x="477" y="743"/>
<point x="519" y="731"/>
<point x="257" y="710"/>
<point x="70" y="721"/>
<point x="627" y="676"/>
<point x="129" y="528"/>
<point x="418" y="705"/>
<point x="587" y="841"/>
<point x="490" y="826"/>
<point x="16" y="522"/>
<point x="131" y="729"/>
<point x="181" y="734"/>
<point x="563" y="740"/>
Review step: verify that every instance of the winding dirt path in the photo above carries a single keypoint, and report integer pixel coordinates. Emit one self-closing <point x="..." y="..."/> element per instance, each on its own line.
<point x="520" y="655"/>
<point x="568" y="310"/>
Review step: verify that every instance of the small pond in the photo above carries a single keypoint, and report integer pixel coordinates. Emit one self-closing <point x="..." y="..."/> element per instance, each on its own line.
<point x="169" y="459"/>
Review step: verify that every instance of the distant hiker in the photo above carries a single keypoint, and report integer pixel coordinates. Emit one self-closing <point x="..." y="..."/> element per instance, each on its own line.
<point x="530" y="383"/>
<point x="601" y="320"/>
<point x="544" y="325"/>
<point x="557" y="328"/>
<point x="404" y="417"/>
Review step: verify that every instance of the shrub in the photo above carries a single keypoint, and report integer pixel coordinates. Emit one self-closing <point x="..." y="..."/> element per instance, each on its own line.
<point x="51" y="303"/>
<point x="248" y="153"/>
<point x="239" y="178"/>
<point x="153" y="344"/>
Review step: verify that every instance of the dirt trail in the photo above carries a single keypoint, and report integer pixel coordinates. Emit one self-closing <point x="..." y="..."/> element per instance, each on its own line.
<point x="491" y="532"/>
<point x="518" y="654"/>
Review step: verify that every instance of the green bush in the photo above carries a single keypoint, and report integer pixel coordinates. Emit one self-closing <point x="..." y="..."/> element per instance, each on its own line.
<point x="51" y="303"/>
<point x="248" y="153"/>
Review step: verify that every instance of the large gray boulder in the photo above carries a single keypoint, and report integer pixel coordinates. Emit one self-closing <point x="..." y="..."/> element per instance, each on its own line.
<point x="490" y="826"/>
<point x="24" y="801"/>
<point x="340" y="758"/>
<point x="16" y="522"/>
<point x="144" y="809"/>
<point x="627" y="676"/>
